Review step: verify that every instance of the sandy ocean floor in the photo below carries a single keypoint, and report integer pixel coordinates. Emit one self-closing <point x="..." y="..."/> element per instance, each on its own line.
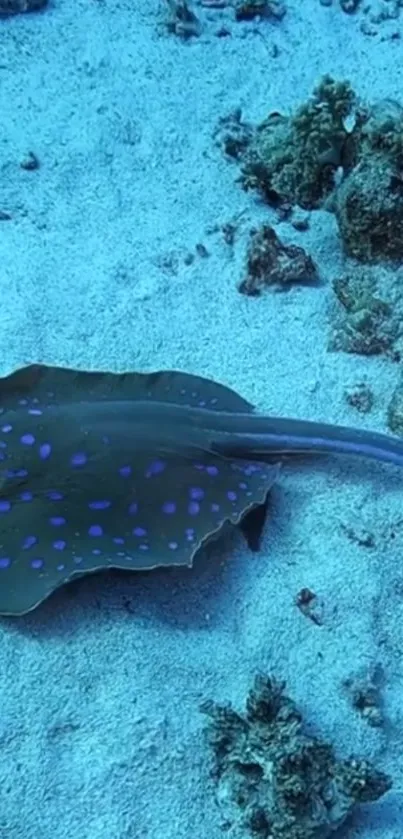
<point x="100" y="728"/>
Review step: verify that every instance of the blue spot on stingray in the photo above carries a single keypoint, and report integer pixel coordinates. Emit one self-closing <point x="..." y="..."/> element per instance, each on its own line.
<point x="26" y="496"/>
<point x="193" y="508"/>
<point x="5" y="562"/>
<point x="27" y="439"/>
<point x="29" y="542"/>
<point x="5" y="506"/>
<point x="118" y="540"/>
<point x="139" y="531"/>
<point x="95" y="530"/>
<point x="133" y="508"/>
<point x="215" y="508"/>
<point x="78" y="459"/>
<point x="231" y="495"/>
<point x="35" y="412"/>
<point x="251" y="469"/>
<point x="196" y="493"/>
<point x="59" y="545"/>
<point x="211" y="469"/>
<point x="45" y="451"/>
<point x="7" y="428"/>
<point x="169" y="507"/>
<point x="99" y="505"/>
<point x="54" y="496"/>
<point x="37" y="562"/>
<point x="155" y="468"/>
<point x="57" y="521"/>
<point x="125" y="471"/>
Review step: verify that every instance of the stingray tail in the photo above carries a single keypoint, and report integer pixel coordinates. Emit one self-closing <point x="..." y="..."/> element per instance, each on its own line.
<point x="276" y="436"/>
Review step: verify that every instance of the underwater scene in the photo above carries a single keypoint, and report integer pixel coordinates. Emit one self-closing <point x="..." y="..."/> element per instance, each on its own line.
<point x="201" y="419"/>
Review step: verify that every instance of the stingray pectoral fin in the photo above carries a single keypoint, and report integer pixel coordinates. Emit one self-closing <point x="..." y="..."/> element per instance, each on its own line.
<point x="156" y="513"/>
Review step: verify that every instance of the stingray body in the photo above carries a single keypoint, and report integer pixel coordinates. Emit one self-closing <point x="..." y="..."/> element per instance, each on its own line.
<point x="133" y="471"/>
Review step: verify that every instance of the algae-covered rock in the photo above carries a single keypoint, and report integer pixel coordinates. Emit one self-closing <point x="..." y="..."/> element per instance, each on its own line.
<point x="365" y="696"/>
<point x="369" y="201"/>
<point x="334" y="153"/>
<point x="249" y="9"/>
<point x="275" y="780"/>
<point x="272" y="263"/>
<point x="365" y="323"/>
<point x="295" y="158"/>
<point x="182" y="20"/>
<point x="233" y="134"/>
<point x="369" y="210"/>
<point x="380" y="129"/>
<point x="361" y="397"/>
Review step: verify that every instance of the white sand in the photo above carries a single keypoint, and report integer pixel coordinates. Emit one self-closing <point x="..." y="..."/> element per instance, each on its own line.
<point x="100" y="730"/>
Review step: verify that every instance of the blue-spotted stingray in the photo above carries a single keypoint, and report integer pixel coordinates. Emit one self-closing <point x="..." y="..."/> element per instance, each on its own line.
<point x="134" y="471"/>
